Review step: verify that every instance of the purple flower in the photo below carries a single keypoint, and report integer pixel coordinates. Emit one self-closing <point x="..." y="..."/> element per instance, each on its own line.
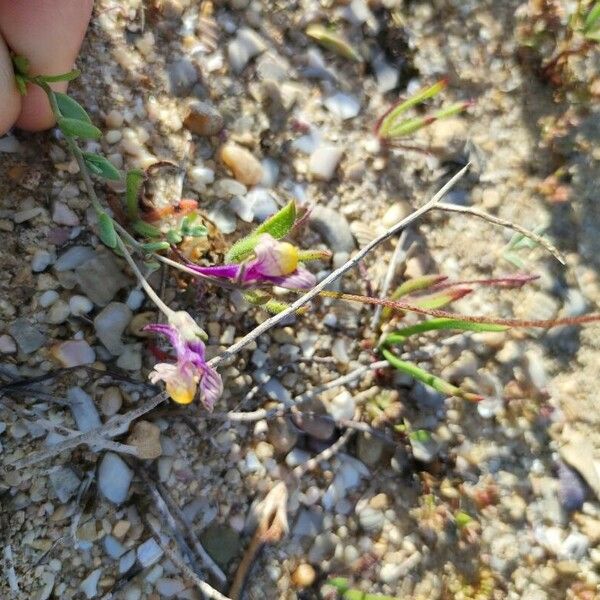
<point x="191" y="371"/>
<point x="274" y="262"/>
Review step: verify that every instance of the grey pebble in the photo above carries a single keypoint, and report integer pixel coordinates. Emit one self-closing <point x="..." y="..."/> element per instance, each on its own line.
<point x="114" y="478"/>
<point x="64" y="483"/>
<point x="110" y="324"/>
<point x="83" y="409"/>
<point x="333" y="227"/>
<point x="28" y="337"/>
<point x="100" y="278"/>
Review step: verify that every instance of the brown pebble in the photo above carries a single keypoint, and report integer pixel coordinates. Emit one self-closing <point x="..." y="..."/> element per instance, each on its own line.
<point x="145" y="436"/>
<point x="120" y="529"/>
<point x="203" y="119"/>
<point x="304" y="576"/>
<point x="244" y="166"/>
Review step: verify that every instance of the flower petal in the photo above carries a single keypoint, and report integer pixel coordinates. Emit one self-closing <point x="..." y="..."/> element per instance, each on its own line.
<point x="301" y="279"/>
<point x="211" y="387"/>
<point x="228" y="271"/>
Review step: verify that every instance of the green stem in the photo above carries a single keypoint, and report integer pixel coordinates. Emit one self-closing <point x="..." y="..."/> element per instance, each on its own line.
<point x="89" y="185"/>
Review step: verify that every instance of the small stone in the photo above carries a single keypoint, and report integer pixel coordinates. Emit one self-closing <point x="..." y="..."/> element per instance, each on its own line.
<point x="74" y="257"/>
<point x="58" y="313"/>
<point x="182" y="76"/>
<point x="333" y="228"/>
<point x="324" y="161"/>
<point x="135" y="299"/>
<point x="424" y="450"/>
<point x="114" y="119"/>
<point x="28" y="338"/>
<point x="113" y="547"/>
<point x="110" y="324"/>
<point x="89" y="585"/>
<point x="73" y="353"/>
<point x="203" y="118"/>
<point x="221" y="542"/>
<point x="369" y="449"/>
<point x="303" y="576"/>
<point x="387" y="75"/>
<point x="28" y="214"/>
<point x="168" y="587"/>
<point x="245" y="168"/>
<point x="131" y="358"/>
<point x="111" y="401"/>
<point x="149" y="553"/>
<point x="64" y="482"/>
<point x="246" y="45"/>
<point x="145" y="436"/>
<point x="282" y="435"/>
<point x="63" y="215"/>
<point x="48" y="298"/>
<point x="41" y="260"/>
<point x="370" y="519"/>
<point x="343" y="106"/>
<point x="83" y="409"/>
<point x="114" y="478"/>
<point x="127" y="561"/>
<point x="80" y="305"/>
<point x="100" y="278"/>
<point x="121" y="528"/>
<point x="7" y="344"/>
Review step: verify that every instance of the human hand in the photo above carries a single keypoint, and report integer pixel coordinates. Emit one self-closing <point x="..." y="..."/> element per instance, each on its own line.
<point x="49" y="34"/>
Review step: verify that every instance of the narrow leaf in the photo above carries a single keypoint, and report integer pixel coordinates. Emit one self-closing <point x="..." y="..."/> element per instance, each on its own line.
<point x="20" y="64"/>
<point x="81" y="129"/>
<point x="145" y="229"/>
<point x="21" y="84"/>
<point x="107" y="232"/>
<point x="400" y="335"/>
<point x="390" y="119"/>
<point x="592" y="19"/>
<point x="439" y="299"/>
<point x="278" y="226"/>
<point x="71" y="109"/>
<point x="133" y="183"/>
<point x="197" y="231"/>
<point x="156" y="246"/>
<point x="62" y="77"/>
<point x="462" y="519"/>
<point x="437" y="383"/>
<point x="173" y="236"/>
<point x="417" y="284"/>
<point x="333" y="41"/>
<point x="100" y="166"/>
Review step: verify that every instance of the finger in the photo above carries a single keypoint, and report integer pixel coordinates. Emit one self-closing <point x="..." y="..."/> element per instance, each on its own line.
<point x="10" y="99"/>
<point x="48" y="33"/>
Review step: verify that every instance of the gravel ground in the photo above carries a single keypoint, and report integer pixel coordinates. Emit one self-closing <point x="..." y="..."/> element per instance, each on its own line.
<point x="498" y="500"/>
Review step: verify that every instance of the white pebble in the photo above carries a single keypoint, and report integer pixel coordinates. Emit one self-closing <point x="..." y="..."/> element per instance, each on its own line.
<point x="58" y="313"/>
<point x="113" y="136"/>
<point x="48" y="298"/>
<point x="83" y="409"/>
<point x="343" y="106"/>
<point x="80" y="305"/>
<point x="63" y="215"/>
<point x="90" y="583"/>
<point x="41" y="260"/>
<point x="7" y="344"/>
<point x="135" y="299"/>
<point x="149" y="553"/>
<point x="324" y="161"/>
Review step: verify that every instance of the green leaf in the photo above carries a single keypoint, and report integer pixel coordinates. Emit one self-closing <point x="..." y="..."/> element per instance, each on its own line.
<point x="107" y="231"/>
<point x="156" y="246"/>
<point x="21" y="85"/>
<point x="420" y="435"/>
<point x="390" y="119"/>
<point x="593" y="35"/>
<point x="333" y="41"/>
<point x="339" y="583"/>
<point x="198" y="231"/>
<point x="62" y="77"/>
<point x="100" y="166"/>
<point x="592" y="19"/>
<point x="278" y="226"/>
<point x="173" y="236"/>
<point x="133" y="183"/>
<point x="400" y="335"/>
<point x="145" y="229"/>
<point x="80" y="129"/>
<point x="416" y="285"/>
<point x="462" y="518"/>
<point x="20" y="64"/>
<point x="71" y="109"/>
